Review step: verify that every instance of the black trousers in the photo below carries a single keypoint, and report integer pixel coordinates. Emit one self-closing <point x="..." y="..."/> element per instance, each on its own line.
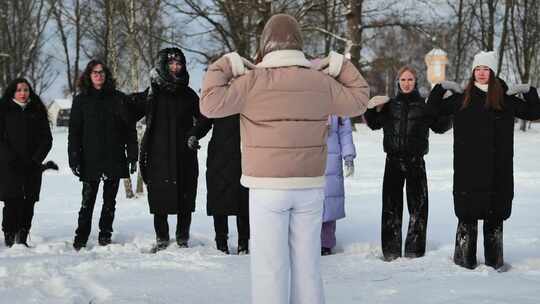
<point x="396" y="172"/>
<point x="466" y="236"/>
<point x="161" y="225"/>
<point x="221" y="226"/>
<point x="89" y="193"/>
<point x="17" y="215"/>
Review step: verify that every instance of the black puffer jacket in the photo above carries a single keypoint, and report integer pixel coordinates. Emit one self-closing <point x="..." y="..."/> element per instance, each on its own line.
<point x="25" y="141"/>
<point x="102" y="136"/>
<point x="484" y="150"/>
<point x="406" y="120"/>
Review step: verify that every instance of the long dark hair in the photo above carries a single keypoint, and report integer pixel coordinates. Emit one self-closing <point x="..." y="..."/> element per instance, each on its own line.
<point x="85" y="82"/>
<point x="9" y="93"/>
<point x="494" y="96"/>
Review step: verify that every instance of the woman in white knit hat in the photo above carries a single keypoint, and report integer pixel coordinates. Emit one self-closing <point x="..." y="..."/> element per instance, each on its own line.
<point x="484" y="114"/>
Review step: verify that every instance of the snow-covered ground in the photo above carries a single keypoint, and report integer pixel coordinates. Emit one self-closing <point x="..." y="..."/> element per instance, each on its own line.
<point x="52" y="272"/>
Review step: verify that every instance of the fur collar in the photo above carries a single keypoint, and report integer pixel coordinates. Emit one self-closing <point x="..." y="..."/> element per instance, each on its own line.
<point x="284" y="58"/>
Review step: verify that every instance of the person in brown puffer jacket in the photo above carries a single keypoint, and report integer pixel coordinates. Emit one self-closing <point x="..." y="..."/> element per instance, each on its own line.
<point x="284" y="103"/>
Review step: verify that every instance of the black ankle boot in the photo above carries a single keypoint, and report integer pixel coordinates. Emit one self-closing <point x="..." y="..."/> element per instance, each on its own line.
<point x="243" y="247"/>
<point x="104" y="240"/>
<point x="326" y="251"/>
<point x="161" y="244"/>
<point x="182" y="243"/>
<point x="9" y="238"/>
<point x="21" y="238"/>
<point x="222" y="246"/>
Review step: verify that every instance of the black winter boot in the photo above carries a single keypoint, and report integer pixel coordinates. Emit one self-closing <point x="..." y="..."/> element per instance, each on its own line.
<point x="182" y="243"/>
<point x="21" y="238"/>
<point x="161" y="244"/>
<point x="465" y="250"/>
<point x="9" y="238"/>
<point x="222" y="246"/>
<point x="493" y="243"/>
<point x="243" y="247"/>
<point x="104" y="239"/>
<point x="78" y="243"/>
<point x="326" y="251"/>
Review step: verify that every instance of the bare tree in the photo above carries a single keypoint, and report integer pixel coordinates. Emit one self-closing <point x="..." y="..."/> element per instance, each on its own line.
<point x="525" y="32"/>
<point x="22" y="36"/>
<point x="70" y="19"/>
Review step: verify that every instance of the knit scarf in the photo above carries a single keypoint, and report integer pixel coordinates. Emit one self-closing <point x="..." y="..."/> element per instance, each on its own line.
<point x="482" y="87"/>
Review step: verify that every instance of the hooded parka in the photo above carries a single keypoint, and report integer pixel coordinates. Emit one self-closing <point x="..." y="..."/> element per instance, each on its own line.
<point x="168" y="166"/>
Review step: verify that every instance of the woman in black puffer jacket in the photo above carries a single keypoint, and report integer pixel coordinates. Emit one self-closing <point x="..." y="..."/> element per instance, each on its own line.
<point x="484" y="117"/>
<point x="406" y="121"/>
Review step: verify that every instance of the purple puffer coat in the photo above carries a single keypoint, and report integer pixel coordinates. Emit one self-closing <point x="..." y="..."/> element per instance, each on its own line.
<point x="340" y="146"/>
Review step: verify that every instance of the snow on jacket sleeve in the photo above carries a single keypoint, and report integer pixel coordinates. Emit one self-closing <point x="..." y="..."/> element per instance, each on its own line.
<point x="530" y="108"/>
<point x="350" y="93"/>
<point x="348" y="150"/>
<point x="221" y="94"/>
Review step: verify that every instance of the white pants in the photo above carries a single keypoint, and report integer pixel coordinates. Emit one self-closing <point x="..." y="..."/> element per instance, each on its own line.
<point x="286" y="246"/>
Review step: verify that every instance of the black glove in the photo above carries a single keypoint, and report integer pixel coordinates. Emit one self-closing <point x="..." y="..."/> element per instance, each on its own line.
<point x="132" y="166"/>
<point x="76" y="170"/>
<point x="193" y="143"/>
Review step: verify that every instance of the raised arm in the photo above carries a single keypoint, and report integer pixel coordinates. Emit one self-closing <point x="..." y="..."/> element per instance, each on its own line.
<point x="223" y="95"/>
<point x="438" y="105"/>
<point x="350" y="91"/>
<point x="529" y="107"/>
<point x="136" y="104"/>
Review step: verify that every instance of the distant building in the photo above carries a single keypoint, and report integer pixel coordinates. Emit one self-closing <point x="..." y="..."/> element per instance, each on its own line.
<point x="436" y="61"/>
<point x="59" y="110"/>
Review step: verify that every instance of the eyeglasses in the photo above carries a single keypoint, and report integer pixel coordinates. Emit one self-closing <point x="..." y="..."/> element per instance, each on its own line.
<point x="98" y="72"/>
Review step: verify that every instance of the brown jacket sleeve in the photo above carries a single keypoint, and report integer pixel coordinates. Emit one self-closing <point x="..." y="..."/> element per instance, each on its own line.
<point x="350" y="92"/>
<point x="221" y="94"/>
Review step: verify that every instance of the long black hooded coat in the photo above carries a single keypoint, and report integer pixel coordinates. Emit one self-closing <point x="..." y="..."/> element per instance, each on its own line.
<point x="25" y="141"/>
<point x="225" y="194"/>
<point x="484" y="150"/>
<point x="171" y="180"/>
<point x="168" y="166"/>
